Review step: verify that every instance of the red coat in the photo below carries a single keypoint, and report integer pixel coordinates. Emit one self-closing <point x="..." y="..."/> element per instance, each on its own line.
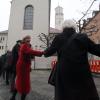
<point x="23" y="68"/>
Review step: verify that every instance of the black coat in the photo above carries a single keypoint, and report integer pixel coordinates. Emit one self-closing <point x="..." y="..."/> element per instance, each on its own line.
<point x="15" y="50"/>
<point x="73" y="78"/>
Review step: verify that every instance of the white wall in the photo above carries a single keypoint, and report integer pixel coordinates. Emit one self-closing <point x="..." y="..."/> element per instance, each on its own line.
<point x="40" y="21"/>
<point x="43" y="63"/>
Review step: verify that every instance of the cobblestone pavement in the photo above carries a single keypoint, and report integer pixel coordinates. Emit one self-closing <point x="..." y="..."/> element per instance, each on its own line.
<point x="41" y="90"/>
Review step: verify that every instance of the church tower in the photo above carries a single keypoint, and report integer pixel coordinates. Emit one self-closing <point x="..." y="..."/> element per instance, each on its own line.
<point x="59" y="17"/>
<point x="28" y="17"/>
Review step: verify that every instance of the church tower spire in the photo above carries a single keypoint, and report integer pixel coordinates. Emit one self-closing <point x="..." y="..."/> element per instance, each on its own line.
<point x="59" y="17"/>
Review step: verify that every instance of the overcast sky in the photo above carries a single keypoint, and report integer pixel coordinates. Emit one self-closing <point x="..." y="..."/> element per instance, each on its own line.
<point x="72" y="9"/>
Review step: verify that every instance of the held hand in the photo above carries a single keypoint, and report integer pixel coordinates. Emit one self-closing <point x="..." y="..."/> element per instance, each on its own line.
<point x="41" y="53"/>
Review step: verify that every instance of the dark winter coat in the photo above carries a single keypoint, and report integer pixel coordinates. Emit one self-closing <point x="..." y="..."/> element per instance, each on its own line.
<point x="73" y="77"/>
<point x="23" y="68"/>
<point x="15" y="56"/>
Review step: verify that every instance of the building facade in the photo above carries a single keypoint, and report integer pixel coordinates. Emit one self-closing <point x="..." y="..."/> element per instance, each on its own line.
<point x="28" y="17"/>
<point x="92" y="28"/>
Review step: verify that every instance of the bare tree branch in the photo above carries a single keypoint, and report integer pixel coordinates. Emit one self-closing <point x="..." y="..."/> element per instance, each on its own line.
<point x="45" y="39"/>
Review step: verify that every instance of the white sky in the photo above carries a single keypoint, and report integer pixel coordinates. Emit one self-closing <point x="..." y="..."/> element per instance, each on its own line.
<point x="72" y="9"/>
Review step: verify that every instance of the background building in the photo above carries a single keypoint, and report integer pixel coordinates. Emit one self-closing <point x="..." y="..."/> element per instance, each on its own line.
<point x="59" y="17"/>
<point x="91" y="27"/>
<point x="3" y="42"/>
<point x="28" y="17"/>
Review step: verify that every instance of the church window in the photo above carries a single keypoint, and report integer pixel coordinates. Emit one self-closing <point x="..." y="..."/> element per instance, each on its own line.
<point x="28" y="17"/>
<point x="3" y="38"/>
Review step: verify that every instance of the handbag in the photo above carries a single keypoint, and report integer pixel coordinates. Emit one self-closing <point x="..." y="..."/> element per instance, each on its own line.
<point x="52" y="76"/>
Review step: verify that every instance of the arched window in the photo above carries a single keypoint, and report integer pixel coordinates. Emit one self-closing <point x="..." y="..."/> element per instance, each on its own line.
<point x="28" y="17"/>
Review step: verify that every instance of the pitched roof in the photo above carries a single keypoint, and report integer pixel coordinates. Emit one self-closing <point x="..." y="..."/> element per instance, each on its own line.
<point x="6" y="31"/>
<point x="58" y="7"/>
<point x="53" y="30"/>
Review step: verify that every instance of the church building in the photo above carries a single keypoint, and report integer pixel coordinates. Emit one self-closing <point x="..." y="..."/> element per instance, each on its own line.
<point x="28" y="17"/>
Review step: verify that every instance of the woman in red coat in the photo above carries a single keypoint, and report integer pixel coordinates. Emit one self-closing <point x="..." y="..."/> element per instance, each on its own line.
<point x="23" y="68"/>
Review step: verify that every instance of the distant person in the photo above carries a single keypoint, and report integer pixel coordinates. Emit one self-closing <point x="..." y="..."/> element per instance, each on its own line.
<point x="23" y="68"/>
<point x="74" y="80"/>
<point x="3" y="61"/>
<point x="7" y="66"/>
<point x="15" y="51"/>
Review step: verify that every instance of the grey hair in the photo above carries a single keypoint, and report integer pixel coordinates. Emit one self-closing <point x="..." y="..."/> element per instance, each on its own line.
<point x="69" y="24"/>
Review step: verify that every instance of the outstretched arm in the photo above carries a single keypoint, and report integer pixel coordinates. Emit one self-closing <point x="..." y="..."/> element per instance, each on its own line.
<point x="93" y="48"/>
<point x="28" y="50"/>
<point x="90" y="45"/>
<point x="52" y="49"/>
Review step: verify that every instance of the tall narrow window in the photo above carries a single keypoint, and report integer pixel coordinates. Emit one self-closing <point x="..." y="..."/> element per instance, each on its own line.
<point x="28" y="18"/>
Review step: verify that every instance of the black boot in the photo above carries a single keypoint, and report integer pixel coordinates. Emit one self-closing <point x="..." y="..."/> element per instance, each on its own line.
<point x="14" y="95"/>
<point x="23" y="96"/>
<point x="12" y="98"/>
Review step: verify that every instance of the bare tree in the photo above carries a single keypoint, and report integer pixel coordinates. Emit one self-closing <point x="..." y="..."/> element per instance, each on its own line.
<point x="46" y="39"/>
<point x="84" y="14"/>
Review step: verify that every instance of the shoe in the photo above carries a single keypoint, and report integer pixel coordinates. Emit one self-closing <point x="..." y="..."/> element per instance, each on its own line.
<point x="12" y="98"/>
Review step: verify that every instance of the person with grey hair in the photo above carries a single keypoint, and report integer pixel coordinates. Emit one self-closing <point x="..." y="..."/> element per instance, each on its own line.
<point x="73" y="78"/>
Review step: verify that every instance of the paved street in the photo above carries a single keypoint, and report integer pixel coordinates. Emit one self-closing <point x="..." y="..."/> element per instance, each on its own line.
<point x="40" y="88"/>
